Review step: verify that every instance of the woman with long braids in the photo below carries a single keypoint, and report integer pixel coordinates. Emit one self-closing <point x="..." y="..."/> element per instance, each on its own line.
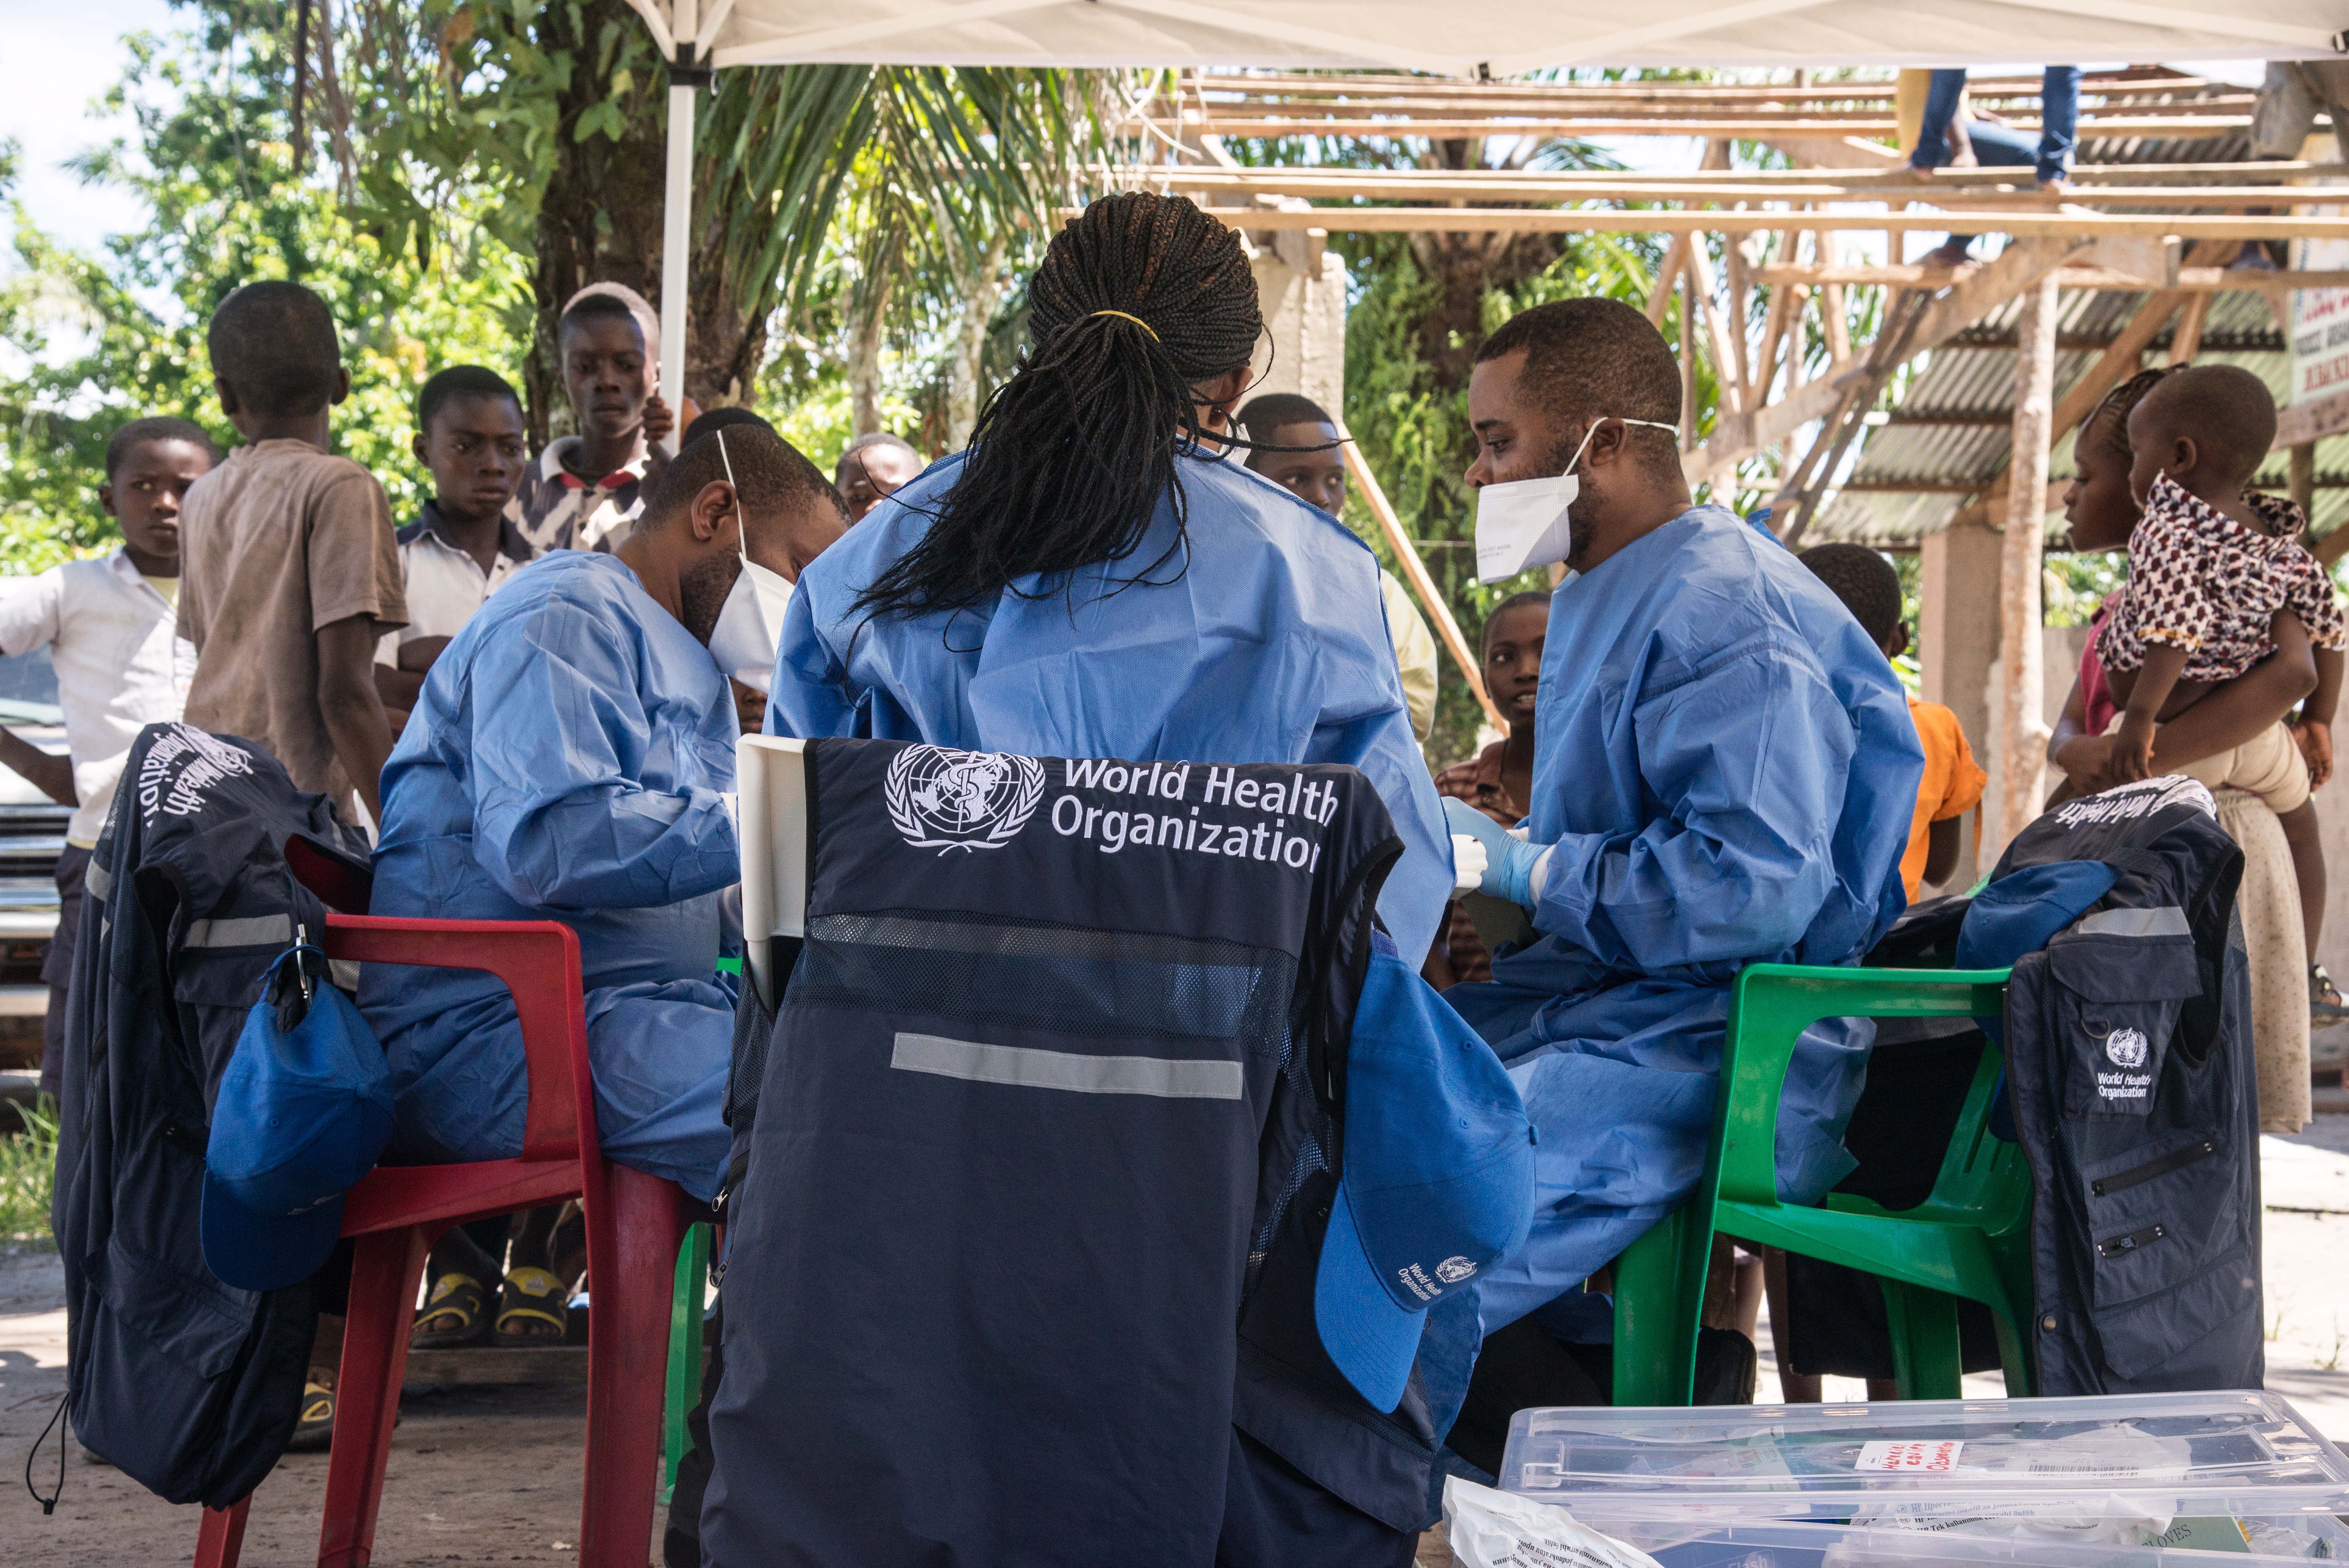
<point x="1089" y="580"/>
<point x="1092" y="579"/>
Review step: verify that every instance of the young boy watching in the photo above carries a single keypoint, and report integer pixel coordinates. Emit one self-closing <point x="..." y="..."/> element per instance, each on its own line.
<point x="872" y="468"/>
<point x="290" y="570"/>
<point x="1316" y="474"/>
<point x="1952" y="785"/>
<point x="1499" y="780"/>
<point x="470" y="439"/>
<point x="584" y="490"/>
<point x="108" y="625"/>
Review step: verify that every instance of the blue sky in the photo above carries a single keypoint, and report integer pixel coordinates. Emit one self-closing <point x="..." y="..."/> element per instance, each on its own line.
<point x="62" y="56"/>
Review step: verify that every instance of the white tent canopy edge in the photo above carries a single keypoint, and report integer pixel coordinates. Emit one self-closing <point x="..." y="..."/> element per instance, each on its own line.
<point x="1504" y="37"/>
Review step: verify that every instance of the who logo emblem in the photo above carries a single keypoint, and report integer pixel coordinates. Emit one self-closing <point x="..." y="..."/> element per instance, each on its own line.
<point x="941" y="798"/>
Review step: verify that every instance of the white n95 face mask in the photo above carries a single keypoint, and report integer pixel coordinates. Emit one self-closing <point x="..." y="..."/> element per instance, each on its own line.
<point x="1523" y="522"/>
<point x="750" y="621"/>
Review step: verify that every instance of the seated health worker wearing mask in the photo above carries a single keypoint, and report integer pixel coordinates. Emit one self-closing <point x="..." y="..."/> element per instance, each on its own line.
<point x="1084" y="580"/>
<point x="1724" y="770"/>
<point x="571" y="758"/>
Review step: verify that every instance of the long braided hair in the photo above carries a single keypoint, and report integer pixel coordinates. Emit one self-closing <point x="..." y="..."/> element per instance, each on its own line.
<point x="2108" y="421"/>
<point x="1140" y="299"/>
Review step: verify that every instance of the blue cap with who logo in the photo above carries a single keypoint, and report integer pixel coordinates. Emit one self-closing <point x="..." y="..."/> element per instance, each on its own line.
<point x="1435" y="1183"/>
<point x="303" y="1111"/>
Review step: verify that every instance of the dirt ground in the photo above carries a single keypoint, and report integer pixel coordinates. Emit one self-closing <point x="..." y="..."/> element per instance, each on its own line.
<point x="492" y="1475"/>
<point x="477" y="1475"/>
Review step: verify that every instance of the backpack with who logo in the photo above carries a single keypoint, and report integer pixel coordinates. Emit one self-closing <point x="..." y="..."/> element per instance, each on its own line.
<point x="2130" y="1072"/>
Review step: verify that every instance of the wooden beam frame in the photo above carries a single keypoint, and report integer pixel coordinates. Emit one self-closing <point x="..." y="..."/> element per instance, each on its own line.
<point x="2018" y="267"/>
<point x="1757" y="184"/>
<point x="1515" y="185"/>
<point x="2081" y="225"/>
<point x="2022" y="729"/>
<point x="1748" y="125"/>
<point x="2190" y="280"/>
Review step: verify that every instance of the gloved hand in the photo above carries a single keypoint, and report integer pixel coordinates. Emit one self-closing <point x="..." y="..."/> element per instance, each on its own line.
<point x="1508" y="860"/>
<point x="1468" y="863"/>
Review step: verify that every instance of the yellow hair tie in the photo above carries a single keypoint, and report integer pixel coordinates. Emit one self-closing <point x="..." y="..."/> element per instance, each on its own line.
<point x="1135" y="319"/>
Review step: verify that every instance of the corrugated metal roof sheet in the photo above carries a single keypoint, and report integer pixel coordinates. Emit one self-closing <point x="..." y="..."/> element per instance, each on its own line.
<point x="1971" y="382"/>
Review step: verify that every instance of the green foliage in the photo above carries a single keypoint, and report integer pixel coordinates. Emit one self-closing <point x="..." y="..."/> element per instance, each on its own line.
<point x="121" y="335"/>
<point x="28" y="1168"/>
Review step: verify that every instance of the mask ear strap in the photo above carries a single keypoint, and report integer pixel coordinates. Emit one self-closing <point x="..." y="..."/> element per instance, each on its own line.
<point x="741" y="543"/>
<point x="1652" y="423"/>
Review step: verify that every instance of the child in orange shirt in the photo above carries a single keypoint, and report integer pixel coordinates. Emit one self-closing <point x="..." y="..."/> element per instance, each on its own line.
<point x="1952" y="786"/>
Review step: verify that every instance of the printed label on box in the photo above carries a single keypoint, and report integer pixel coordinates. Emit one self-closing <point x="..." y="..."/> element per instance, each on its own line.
<point x="1940" y="1457"/>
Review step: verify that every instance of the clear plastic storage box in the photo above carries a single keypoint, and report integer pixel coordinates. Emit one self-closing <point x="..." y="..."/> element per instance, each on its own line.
<point x="2130" y="1479"/>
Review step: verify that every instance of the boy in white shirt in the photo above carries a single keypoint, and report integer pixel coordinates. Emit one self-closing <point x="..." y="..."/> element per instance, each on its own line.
<point x="471" y="438"/>
<point x="121" y="666"/>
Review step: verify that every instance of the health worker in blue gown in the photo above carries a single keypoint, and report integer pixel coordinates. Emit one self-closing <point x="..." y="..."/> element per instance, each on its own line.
<point x="572" y="757"/>
<point x="1724" y="772"/>
<point x="1096" y="577"/>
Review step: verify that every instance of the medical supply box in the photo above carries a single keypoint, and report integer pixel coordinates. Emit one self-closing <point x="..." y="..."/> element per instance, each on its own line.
<point x="2126" y="1481"/>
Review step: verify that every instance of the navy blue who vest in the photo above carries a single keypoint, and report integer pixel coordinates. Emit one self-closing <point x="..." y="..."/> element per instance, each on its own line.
<point x="1064" y="1040"/>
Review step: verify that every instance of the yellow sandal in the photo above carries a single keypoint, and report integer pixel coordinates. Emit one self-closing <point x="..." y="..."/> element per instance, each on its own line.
<point x="316" y="1430"/>
<point x="531" y="1295"/>
<point x="457" y="1296"/>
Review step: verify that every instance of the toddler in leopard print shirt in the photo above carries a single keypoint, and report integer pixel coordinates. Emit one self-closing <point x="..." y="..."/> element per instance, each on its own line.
<point x="2211" y="567"/>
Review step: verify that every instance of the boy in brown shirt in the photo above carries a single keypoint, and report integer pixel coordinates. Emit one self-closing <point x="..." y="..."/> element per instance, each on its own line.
<point x="289" y="567"/>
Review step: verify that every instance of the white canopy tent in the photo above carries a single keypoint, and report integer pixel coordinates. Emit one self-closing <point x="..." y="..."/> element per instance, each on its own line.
<point x="1470" y="38"/>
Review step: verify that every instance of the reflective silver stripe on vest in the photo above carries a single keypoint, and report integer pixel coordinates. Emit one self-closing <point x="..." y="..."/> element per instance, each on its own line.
<point x="2167" y="921"/>
<point x="344" y="972"/>
<point x="248" y="931"/>
<point x="96" y="882"/>
<point x="1020" y="1067"/>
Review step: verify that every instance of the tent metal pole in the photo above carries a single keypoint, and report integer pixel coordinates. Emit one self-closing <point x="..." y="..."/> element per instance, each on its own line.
<point x="688" y="69"/>
<point x="676" y="228"/>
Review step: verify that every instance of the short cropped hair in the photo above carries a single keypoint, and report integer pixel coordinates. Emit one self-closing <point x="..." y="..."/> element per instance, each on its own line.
<point x="461" y="381"/>
<point x="770" y="474"/>
<point x="1591" y="358"/>
<point x="274" y="343"/>
<point x="866" y="443"/>
<point x="1274" y="409"/>
<point x="597" y="306"/>
<point x="1865" y="582"/>
<point x="722" y="419"/>
<point x="1531" y="597"/>
<point x="2227" y="411"/>
<point x="139" y="432"/>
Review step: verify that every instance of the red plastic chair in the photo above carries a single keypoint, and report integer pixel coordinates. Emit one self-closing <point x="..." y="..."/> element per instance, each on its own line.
<point x="634" y="1224"/>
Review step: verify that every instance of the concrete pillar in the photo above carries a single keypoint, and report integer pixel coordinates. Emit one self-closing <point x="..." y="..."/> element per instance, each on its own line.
<point x="1957" y="644"/>
<point x="1301" y="287"/>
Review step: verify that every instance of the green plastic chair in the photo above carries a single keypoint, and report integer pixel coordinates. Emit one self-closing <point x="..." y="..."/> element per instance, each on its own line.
<point x="684" y="1352"/>
<point x="1970" y="1238"/>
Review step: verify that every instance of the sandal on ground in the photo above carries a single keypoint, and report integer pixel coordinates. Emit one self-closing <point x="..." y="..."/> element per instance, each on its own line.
<point x="530" y="1296"/>
<point x="316" y="1430"/>
<point x="2324" y="1005"/>
<point x="457" y="1296"/>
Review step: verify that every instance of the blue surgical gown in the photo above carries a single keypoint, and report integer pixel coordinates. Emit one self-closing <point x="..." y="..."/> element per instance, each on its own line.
<point x="1262" y="639"/>
<point x="569" y="759"/>
<point x="1726" y="765"/>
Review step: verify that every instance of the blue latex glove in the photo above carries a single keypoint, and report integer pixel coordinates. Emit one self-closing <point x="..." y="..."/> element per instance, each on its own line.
<point x="1508" y="860"/>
